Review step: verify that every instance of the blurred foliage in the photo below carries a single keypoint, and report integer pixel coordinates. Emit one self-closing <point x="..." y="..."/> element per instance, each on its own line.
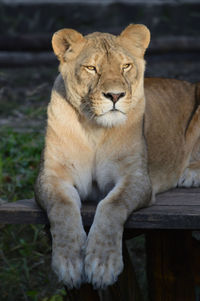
<point x="25" y="252"/>
<point x="19" y="158"/>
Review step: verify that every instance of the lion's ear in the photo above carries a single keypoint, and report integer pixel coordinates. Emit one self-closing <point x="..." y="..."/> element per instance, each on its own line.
<point x="135" y="37"/>
<point x="67" y="43"/>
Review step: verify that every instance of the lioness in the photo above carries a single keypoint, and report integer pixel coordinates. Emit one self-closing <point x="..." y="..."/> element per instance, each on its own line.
<point x="113" y="137"/>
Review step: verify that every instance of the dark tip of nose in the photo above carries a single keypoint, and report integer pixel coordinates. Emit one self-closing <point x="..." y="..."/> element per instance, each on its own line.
<point x="114" y="96"/>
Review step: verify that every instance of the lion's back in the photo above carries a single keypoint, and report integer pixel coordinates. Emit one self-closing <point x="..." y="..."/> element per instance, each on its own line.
<point x="170" y="104"/>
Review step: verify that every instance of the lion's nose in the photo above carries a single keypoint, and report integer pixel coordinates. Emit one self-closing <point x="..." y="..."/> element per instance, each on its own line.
<point x="114" y="96"/>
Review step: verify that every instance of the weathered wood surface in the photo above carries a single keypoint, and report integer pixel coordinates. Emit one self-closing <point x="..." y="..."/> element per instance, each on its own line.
<point x="176" y="209"/>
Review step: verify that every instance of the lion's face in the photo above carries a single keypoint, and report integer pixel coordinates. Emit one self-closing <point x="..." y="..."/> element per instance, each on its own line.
<point x="103" y="74"/>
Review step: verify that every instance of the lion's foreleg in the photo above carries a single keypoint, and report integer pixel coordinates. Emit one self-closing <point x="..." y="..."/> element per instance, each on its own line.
<point x="103" y="261"/>
<point x="62" y="203"/>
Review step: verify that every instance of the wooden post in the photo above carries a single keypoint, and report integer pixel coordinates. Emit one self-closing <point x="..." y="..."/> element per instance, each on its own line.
<point x="170" y="265"/>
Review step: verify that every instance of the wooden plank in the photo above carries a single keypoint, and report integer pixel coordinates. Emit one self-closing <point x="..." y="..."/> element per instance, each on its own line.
<point x="22" y="212"/>
<point x="176" y="209"/>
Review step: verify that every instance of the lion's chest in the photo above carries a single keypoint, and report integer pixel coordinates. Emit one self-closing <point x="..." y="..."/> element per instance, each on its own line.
<point x="96" y="177"/>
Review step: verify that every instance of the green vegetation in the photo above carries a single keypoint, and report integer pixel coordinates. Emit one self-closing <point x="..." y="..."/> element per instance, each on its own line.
<point x="25" y="251"/>
<point x="19" y="158"/>
<point x="25" y="271"/>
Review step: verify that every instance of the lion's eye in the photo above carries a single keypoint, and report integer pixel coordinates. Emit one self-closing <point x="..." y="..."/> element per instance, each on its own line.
<point x="91" y="68"/>
<point x="126" y="66"/>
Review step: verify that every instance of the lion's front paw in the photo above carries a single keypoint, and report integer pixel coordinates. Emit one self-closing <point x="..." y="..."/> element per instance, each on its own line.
<point x="103" y="270"/>
<point x="68" y="269"/>
<point x="68" y="259"/>
<point x="103" y="261"/>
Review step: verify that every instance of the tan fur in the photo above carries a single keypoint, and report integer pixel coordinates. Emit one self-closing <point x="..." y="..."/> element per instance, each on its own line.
<point x="93" y="151"/>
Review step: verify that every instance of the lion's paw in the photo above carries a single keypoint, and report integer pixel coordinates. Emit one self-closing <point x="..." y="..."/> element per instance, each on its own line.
<point x="190" y="178"/>
<point x="69" y="270"/>
<point x="103" y="263"/>
<point x="68" y="259"/>
<point x="104" y="270"/>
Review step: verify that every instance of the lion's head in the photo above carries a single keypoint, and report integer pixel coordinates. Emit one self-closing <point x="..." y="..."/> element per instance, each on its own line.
<point x="103" y="73"/>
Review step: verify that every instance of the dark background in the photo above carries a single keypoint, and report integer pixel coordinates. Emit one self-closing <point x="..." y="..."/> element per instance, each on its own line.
<point x="174" y="26"/>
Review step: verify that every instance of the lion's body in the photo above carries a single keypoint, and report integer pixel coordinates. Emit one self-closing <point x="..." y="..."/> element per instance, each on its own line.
<point x="170" y="109"/>
<point x="104" y="141"/>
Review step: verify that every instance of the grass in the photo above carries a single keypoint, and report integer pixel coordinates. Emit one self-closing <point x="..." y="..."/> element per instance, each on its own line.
<point x="19" y="158"/>
<point x="25" y="251"/>
<point x="25" y="271"/>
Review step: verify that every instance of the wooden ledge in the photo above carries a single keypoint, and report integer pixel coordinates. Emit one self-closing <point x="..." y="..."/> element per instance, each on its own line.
<point x="175" y="209"/>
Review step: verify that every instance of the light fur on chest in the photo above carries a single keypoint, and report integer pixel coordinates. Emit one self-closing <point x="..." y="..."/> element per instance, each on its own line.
<point x="93" y="158"/>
